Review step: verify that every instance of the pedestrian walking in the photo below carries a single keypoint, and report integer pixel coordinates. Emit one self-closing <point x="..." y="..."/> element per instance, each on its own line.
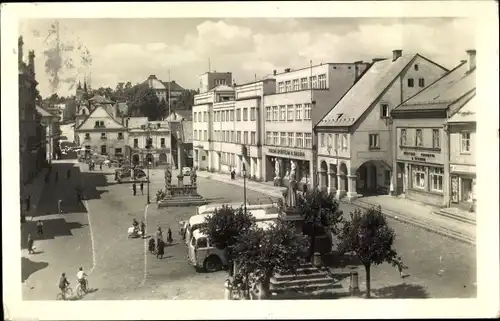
<point x="169" y="236"/>
<point x="100" y="166"/>
<point x="151" y="245"/>
<point x="28" y="203"/>
<point x="39" y="228"/>
<point x="134" y="189"/>
<point x="59" y="206"/>
<point x="143" y="229"/>
<point x="400" y="265"/>
<point x="142" y="188"/>
<point x="159" y="234"/>
<point x="30" y="244"/>
<point x="160" y="249"/>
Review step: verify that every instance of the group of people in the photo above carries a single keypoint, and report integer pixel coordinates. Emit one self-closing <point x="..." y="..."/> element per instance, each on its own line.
<point x="158" y="247"/>
<point x="91" y="164"/>
<point x="80" y="277"/>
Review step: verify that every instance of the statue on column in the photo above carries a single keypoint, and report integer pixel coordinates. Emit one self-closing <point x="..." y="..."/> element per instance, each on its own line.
<point x="168" y="177"/>
<point x="293" y="171"/>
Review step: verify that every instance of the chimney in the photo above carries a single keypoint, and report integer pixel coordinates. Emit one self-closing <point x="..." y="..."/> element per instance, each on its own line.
<point x="287" y="70"/>
<point x="274" y="72"/>
<point x="472" y="58"/>
<point x="396" y="54"/>
<point x="20" y="44"/>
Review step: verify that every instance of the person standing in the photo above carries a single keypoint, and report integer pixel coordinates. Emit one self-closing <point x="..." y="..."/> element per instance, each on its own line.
<point x="142" y="188"/>
<point x="59" y="206"/>
<point x="30" y="244"/>
<point x="143" y="229"/>
<point x="159" y="235"/>
<point x="134" y="189"/>
<point x="100" y="166"/>
<point x="160" y="250"/>
<point x="169" y="236"/>
<point x="39" y="228"/>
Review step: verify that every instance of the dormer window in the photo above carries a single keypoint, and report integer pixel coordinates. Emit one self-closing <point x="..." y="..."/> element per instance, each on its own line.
<point x="99" y="124"/>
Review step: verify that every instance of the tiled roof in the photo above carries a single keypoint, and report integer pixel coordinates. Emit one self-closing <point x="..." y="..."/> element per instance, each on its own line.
<point x="365" y="92"/>
<point x="444" y="91"/>
<point x="43" y="112"/>
<point x="173" y="86"/>
<point x="100" y="100"/>
<point x="465" y="114"/>
<point x="137" y="122"/>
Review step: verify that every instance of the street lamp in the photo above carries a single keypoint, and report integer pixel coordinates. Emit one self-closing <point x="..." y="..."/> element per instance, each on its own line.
<point x="149" y="164"/>
<point x="244" y="171"/>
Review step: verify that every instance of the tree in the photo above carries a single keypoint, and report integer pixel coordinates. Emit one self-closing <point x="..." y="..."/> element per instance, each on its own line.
<point x="263" y="252"/>
<point x="368" y="235"/>
<point x="322" y="215"/>
<point x="185" y="100"/>
<point x="146" y="103"/>
<point x="225" y="225"/>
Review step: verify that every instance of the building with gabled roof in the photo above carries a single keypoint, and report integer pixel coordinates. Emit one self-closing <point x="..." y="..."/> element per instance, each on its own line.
<point x="421" y="137"/>
<point x="99" y="132"/>
<point x="354" y="137"/>
<point x="161" y="88"/>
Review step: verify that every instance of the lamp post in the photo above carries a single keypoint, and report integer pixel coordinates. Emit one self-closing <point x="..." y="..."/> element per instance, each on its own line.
<point x="149" y="164"/>
<point x="244" y="171"/>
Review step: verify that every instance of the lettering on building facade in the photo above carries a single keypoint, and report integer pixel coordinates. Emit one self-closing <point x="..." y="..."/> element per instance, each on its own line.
<point x="422" y="158"/>
<point x="287" y="152"/>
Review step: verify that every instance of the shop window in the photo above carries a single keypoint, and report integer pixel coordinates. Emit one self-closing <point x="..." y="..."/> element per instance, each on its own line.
<point x="418" y="173"/>
<point x="436" y="179"/>
<point x="419" y="139"/>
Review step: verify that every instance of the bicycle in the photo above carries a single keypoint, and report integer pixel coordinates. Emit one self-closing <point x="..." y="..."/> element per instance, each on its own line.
<point x="81" y="290"/>
<point x="67" y="292"/>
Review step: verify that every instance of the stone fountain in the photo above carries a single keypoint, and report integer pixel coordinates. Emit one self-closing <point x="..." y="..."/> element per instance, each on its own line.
<point x="182" y="194"/>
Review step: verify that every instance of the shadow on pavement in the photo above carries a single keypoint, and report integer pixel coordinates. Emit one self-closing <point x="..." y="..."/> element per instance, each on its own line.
<point x="51" y="229"/>
<point x="402" y="291"/>
<point x="29" y="267"/>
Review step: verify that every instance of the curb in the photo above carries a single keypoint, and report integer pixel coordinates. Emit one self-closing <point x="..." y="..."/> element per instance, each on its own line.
<point x="459" y="218"/>
<point x="428" y="227"/>
<point x="236" y="183"/>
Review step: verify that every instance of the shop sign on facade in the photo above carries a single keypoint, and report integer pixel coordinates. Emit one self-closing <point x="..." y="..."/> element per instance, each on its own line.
<point x="462" y="168"/>
<point x="420" y="158"/>
<point x="287" y="152"/>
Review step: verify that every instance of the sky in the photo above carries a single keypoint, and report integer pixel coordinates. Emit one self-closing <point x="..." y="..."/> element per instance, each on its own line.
<point x="126" y="49"/>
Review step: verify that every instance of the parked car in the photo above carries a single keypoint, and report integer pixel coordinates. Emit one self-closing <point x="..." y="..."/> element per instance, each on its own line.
<point x="186" y="171"/>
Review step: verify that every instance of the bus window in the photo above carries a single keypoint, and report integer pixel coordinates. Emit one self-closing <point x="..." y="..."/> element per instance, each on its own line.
<point x="193" y="241"/>
<point x="202" y="243"/>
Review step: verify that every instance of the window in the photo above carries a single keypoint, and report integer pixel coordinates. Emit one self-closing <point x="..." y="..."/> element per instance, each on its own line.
<point x="245" y="114"/>
<point x="238" y="137"/>
<point x="290" y="139"/>
<point x="410" y="82"/>
<point x="337" y="141"/>
<point x="103" y="150"/>
<point x="296" y="85"/>
<point x="281" y="87"/>
<point x="344" y="142"/>
<point x="231" y="115"/>
<point x="118" y="151"/>
<point x="282" y="113"/>
<point x="435" y="139"/>
<point x="307" y="111"/>
<point x="289" y="112"/>
<point x="299" y="141"/>
<point x="373" y="141"/>
<point x="322" y="81"/>
<point x="418" y="176"/>
<point x="136" y="142"/>
<point x="322" y="139"/>
<point x="465" y="142"/>
<point x="436" y="179"/>
<point x="303" y="83"/>
<point x="384" y="110"/>
<point x="253" y="138"/>
<point x="283" y="139"/>
<point x="199" y="117"/>
<point x="120" y="135"/>
<point x="419" y="140"/>
<point x="162" y="142"/>
<point x="402" y="137"/>
<point x="308" y="140"/>
<point x="288" y="86"/>
<point x="202" y="243"/>
<point x="245" y="138"/>
<point x="103" y="135"/>
<point x="228" y="133"/>
<point x="387" y="177"/>
<point x="205" y="116"/>
<point x="298" y="112"/>
<point x="223" y="116"/>
<point x="233" y="137"/>
<point x="416" y="67"/>
<point x="421" y="82"/>
<point x="205" y="135"/>
<point x="87" y="136"/>
<point x="276" y="138"/>
<point x="227" y="115"/>
<point x="275" y="113"/>
<point x="238" y="114"/>
<point x="268" y="114"/>
<point x="314" y="82"/>
<point x="269" y="138"/>
<point x="252" y="113"/>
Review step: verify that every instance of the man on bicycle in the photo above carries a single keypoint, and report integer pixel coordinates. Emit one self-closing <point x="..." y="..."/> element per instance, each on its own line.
<point x="80" y="276"/>
<point x="63" y="284"/>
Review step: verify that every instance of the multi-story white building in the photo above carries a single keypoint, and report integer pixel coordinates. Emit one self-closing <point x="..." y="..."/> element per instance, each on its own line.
<point x="158" y="132"/>
<point x="301" y="99"/>
<point x="206" y="157"/>
<point x="210" y="80"/>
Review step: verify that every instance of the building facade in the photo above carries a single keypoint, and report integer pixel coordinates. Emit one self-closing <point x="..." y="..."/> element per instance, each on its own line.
<point x="210" y="80"/>
<point x="461" y="129"/>
<point x="422" y="147"/>
<point x="100" y="133"/>
<point x="301" y="99"/>
<point x="149" y="141"/>
<point x="206" y="156"/>
<point x="355" y="141"/>
<point x="32" y="153"/>
<point x="50" y="124"/>
<point x="161" y="88"/>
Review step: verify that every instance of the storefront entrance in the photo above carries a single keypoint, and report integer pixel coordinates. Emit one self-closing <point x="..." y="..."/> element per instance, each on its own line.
<point x="281" y="167"/>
